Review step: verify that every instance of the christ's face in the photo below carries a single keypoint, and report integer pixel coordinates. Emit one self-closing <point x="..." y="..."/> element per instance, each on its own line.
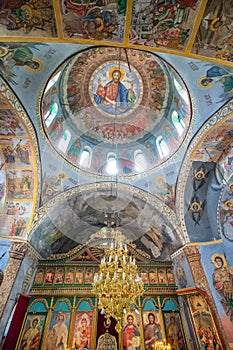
<point x="116" y="77"/>
<point x="130" y="320"/>
<point x="151" y="319"/>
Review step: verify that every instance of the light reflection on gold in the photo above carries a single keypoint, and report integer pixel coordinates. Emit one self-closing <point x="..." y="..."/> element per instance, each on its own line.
<point x="162" y="346"/>
<point x="118" y="284"/>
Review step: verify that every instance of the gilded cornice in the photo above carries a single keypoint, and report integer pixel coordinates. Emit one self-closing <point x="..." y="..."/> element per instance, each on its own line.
<point x="84" y="291"/>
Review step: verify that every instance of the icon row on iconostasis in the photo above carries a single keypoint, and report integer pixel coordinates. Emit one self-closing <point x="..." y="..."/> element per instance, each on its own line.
<point x="85" y="275"/>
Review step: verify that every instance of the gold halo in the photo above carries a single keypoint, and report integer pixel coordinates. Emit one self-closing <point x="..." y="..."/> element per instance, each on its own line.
<point x="226" y="202"/>
<point x="203" y="86"/>
<point x="4" y="51"/>
<point x="37" y="69"/>
<point x="61" y="313"/>
<point x="200" y="172"/>
<point x="160" y="178"/>
<point x="49" y="191"/>
<point x="179" y="270"/>
<point x="62" y="175"/>
<point x="197" y="204"/>
<point x="116" y="68"/>
<point x="101" y="27"/>
<point x="213" y="23"/>
<point x="219" y="256"/>
<point x="130" y="313"/>
<point x="35" y="318"/>
<point x="28" y="8"/>
<point x="220" y="54"/>
<point x="86" y="317"/>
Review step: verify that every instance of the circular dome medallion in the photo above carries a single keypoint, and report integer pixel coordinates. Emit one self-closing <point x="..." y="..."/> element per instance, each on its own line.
<point x="110" y="91"/>
<point x="116" y="88"/>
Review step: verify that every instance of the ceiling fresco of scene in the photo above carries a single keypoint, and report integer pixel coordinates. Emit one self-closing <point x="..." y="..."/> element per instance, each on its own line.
<point x="18" y="173"/>
<point x="193" y="27"/>
<point x="73" y="150"/>
<point x="138" y="215"/>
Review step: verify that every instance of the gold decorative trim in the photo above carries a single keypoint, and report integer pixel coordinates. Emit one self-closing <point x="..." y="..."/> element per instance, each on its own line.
<point x="66" y="300"/>
<point x="39" y="300"/>
<point x="85" y="299"/>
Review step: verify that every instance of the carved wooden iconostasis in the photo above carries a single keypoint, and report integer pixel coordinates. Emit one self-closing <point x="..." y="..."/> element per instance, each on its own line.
<point x="62" y="310"/>
<point x="63" y="291"/>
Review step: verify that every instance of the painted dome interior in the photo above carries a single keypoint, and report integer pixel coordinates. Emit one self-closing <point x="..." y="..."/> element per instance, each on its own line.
<point x="132" y="136"/>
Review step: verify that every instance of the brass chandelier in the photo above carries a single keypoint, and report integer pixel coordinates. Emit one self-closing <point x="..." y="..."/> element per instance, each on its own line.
<point x="118" y="284"/>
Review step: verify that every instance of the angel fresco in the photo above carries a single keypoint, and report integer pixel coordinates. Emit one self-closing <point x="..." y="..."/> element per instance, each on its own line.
<point x="196" y="209"/>
<point x="200" y="176"/>
<point x="22" y="55"/>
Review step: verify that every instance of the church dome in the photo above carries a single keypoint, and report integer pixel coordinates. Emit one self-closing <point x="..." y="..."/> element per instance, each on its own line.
<point x="110" y="111"/>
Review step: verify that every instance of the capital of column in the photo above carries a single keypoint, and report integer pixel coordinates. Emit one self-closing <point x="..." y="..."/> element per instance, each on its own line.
<point x="18" y="250"/>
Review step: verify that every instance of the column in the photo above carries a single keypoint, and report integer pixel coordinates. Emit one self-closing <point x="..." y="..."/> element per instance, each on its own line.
<point x="17" y="255"/>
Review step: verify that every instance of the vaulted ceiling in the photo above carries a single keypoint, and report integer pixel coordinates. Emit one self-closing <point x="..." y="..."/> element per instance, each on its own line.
<point x="157" y="162"/>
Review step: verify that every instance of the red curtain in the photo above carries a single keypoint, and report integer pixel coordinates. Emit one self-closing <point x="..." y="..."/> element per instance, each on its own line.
<point x="16" y="323"/>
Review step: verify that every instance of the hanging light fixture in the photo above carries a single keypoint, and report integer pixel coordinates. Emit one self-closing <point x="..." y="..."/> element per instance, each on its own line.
<point x="118" y="284"/>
